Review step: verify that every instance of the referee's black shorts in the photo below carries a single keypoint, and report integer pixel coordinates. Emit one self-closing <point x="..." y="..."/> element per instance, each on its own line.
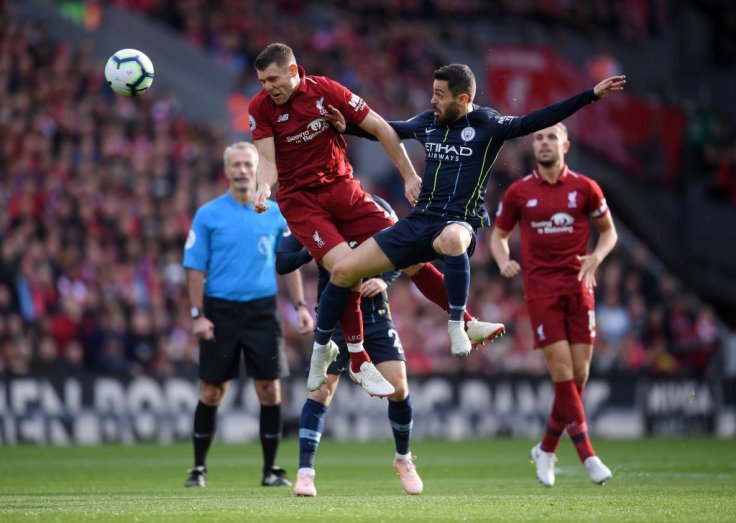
<point x="253" y="327"/>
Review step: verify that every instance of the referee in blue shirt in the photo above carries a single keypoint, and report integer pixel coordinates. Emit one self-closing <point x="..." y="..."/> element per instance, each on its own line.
<point x="230" y="260"/>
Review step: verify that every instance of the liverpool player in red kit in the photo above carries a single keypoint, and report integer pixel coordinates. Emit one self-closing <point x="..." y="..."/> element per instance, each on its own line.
<point x="323" y="204"/>
<point x="554" y="207"/>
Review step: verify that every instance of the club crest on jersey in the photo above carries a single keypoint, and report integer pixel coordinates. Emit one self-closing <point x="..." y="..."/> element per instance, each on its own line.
<point x="318" y="240"/>
<point x="467" y="134"/>
<point x="572" y="200"/>
<point x="321" y="106"/>
<point x="252" y="122"/>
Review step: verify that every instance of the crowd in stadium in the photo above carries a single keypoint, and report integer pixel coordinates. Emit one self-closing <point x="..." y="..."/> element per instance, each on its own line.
<point x="99" y="192"/>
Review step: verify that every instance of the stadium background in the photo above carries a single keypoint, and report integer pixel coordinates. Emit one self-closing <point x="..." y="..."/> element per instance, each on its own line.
<point x="98" y="194"/>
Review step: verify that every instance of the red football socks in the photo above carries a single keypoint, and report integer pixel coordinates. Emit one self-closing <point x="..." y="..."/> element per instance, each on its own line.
<point x="351" y="322"/>
<point x="431" y="283"/>
<point x="571" y="413"/>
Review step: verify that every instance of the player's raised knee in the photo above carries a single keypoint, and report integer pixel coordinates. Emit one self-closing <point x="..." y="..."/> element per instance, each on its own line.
<point x="454" y="240"/>
<point x="343" y="274"/>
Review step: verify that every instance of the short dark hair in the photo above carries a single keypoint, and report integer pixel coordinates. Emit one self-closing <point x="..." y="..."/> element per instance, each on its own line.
<point x="460" y="79"/>
<point x="278" y="53"/>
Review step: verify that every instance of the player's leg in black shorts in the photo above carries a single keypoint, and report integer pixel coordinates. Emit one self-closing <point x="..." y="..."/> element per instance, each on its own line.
<point x="409" y="241"/>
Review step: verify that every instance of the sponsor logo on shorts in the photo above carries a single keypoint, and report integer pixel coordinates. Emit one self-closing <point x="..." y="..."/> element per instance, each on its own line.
<point x="540" y="333"/>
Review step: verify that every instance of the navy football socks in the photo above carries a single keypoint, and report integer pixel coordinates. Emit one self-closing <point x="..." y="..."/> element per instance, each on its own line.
<point x="457" y="283"/>
<point x="331" y="305"/>
<point x="311" y="426"/>
<point x="400" y="416"/>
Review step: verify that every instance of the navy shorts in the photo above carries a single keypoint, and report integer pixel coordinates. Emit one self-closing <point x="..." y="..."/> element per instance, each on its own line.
<point x="252" y="328"/>
<point x="409" y="241"/>
<point x="381" y="342"/>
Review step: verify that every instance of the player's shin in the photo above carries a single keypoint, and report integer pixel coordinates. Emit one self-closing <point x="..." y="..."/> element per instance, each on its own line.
<point x="431" y="283"/>
<point x="331" y="306"/>
<point x="311" y="427"/>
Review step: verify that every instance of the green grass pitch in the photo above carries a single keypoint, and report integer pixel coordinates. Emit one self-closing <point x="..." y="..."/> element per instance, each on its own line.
<point x="491" y="480"/>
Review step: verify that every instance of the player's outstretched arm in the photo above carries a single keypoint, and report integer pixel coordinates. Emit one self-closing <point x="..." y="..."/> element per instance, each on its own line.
<point x="266" y="173"/>
<point x="377" y="126"/>
<point x="513" y="127"/>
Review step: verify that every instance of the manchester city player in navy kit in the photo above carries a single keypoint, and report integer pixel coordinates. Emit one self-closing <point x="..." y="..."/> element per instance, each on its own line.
<point x="230" y="258"/>
<point x="461" y="142"/>
<point x="382" y="343"/>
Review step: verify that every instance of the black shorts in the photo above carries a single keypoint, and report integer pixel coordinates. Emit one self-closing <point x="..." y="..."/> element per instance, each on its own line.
<point x="409" y="241"/>
<point x="251" y="327"/>
<point x="381" y="342"/>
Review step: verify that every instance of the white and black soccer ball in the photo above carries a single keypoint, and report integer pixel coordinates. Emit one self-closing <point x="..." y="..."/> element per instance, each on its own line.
<point x="129" y="72"/>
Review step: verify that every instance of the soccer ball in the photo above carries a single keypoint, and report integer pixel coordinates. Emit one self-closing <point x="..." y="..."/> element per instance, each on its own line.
<point x="129" y="72"/>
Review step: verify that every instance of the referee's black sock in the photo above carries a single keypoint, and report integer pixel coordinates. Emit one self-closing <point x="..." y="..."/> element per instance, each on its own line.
<point x="270" y="432"/>
<point x="205" y="417"/>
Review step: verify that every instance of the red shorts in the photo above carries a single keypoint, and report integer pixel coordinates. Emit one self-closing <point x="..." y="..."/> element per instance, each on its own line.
<point x="568" y="317"/>
<point x="339" y="213"/>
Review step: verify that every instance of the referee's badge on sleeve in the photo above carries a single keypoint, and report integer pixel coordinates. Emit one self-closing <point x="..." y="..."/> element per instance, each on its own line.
<point x="191" y="238"/>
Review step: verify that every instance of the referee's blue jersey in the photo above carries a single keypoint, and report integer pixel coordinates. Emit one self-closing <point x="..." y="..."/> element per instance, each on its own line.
<point x="236" y="248"/>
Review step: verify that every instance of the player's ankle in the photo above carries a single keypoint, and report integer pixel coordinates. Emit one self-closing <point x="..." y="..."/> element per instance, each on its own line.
<point x="357" y="359"/>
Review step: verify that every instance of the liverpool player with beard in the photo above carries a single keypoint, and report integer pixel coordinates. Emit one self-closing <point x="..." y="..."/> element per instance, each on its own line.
<point x="554" y="207"/>
<point x="322" y="202"/>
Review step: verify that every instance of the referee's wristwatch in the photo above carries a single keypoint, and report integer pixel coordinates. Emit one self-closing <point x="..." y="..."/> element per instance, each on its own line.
<point x="300" y="303"/>
<point x="195" y="312"/>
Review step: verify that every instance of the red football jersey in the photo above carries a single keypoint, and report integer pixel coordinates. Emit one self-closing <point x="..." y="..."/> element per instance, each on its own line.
<point x="310" y="153"/>
<point x="554" y="221"/>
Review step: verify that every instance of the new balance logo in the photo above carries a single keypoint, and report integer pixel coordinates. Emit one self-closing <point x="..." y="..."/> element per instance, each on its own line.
<point x="531" y="203"/>
<point x="283" y="118"/>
